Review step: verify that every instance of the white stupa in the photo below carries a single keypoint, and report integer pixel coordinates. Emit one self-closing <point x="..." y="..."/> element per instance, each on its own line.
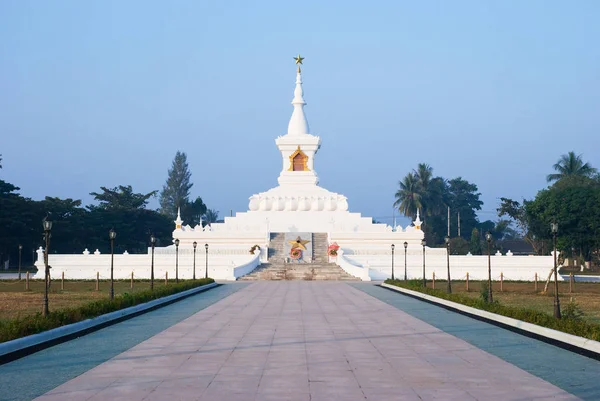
<point x="298" y="203"/>
<point x="298" y="209"/>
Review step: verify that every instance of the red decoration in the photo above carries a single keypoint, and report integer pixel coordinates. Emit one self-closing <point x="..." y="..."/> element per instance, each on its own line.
<point x="296" y="253"/>
<point x="332" y="249"/>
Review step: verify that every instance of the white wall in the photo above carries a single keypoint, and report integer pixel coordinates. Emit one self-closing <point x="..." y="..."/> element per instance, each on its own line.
<point x="379" y="263"/>
<point x="221" y="264"/>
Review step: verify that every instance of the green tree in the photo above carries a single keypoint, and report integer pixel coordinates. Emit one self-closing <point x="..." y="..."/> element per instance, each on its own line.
<point x="576" y="209"/>
<point x="571" y="165"/>
<point x="69" y="228"/>
<point x="192" y="212"/>
<point x="420" y="189"/>
<point x="432" y="190"/>
<point x="526" y="223"/>
<point x="175" y="193"/>
<point x="121" y="197"/>
<point x="408" y="197"/>
<point x="17" y="217"/>
<point x="211" y="216"/>
<point x="475" y="243"/>
<point x="459" y="246"/>
<point x="463" y="198"/>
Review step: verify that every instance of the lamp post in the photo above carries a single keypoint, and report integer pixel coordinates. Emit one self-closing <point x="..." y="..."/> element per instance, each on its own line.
<point x="112" y="235"/>
<point x="206" y="249"/>
<point x="405" y="246"/>
<point x="153" y="243"/>
<point x="393" y="246"/>
<point x="47" y="228"/>
<point x="573" y="256"/>
<point x="20" y="250"/>
<point x="447" y="240"/>
<point x="423" y="242"/>
<point x="195" y="244"/>
<point x="488" y="238"/>
<point x="554" y="229"/>
<point x="177" y="260"/>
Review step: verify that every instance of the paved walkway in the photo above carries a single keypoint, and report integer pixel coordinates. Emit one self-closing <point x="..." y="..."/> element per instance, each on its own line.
<point x="304" y="341"/>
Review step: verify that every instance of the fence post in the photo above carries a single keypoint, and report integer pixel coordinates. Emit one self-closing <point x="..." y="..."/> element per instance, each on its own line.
<point x="27" y="281"/>
<point x="433" y="282"/>
<point x="535" y="281"/>
<point x="166" y="278"/>
<point x="467" y="282"/>
<point x="571" y="283"/>
<point x="132" y="280"/>
<point x="501" y="281"/>
<point x="62" y="281"/>
<point x="97" y="281"/>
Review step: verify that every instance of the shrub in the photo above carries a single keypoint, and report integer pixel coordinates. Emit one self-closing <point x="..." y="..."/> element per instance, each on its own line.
<point x="11" y="329"/>
<point x="572" y="311"/>
<point x="568" y="324"/>
<point x="484" y="291"/>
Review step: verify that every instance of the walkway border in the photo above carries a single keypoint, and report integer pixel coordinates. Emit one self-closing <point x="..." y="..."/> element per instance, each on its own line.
<point x="581" y="345"/>
<point x="20" y="347"/>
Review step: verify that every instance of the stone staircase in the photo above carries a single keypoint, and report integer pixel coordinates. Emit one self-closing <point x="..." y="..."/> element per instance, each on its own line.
<point x="277" y="269"/>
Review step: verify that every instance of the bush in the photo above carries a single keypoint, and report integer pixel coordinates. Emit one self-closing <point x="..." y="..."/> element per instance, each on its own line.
<point x="484" y="291"/>
<point x="569" y="323"/>
<point x="572" y="311"/>
<point x="11" y="329"/>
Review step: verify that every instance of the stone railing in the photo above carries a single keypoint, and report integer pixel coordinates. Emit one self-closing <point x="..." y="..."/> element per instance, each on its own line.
<point x="352" y="269"/>
<point x="248" y="267"/>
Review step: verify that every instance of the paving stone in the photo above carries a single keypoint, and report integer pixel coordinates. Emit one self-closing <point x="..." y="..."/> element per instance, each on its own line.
<point x="305" y="341"/>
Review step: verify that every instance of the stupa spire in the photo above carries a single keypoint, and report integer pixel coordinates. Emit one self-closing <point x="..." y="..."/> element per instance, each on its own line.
<point x="178" y="222"/>
<point x="298" y="124"/>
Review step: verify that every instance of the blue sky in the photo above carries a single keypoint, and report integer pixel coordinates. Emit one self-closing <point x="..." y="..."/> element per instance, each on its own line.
<point x="103" y="93"/>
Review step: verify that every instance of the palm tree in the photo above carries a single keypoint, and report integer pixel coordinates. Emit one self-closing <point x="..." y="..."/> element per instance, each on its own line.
<point x="408" y="197"/>
<point x="211" y="216"/>
<point x="571" y="165"/>
<point x="431" y="190"/>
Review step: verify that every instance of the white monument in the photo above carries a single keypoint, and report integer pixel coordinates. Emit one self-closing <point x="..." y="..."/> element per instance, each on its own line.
<point x="298" y="204"/>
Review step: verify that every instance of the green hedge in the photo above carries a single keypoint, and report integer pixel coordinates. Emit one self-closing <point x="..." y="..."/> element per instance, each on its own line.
<point x="572" y="326"/>
<point x="11" y="329"/>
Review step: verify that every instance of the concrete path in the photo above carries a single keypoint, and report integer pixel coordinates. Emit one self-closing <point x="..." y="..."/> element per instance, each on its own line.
<point x="304" y="341"/>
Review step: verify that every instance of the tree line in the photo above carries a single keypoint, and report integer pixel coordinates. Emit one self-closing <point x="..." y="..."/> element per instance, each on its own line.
<point x="76" y="227"/>
<point x="572" y="200"/>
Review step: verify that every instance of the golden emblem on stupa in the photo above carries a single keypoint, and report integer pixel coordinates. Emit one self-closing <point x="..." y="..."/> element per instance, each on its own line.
<point x="298" y="243"/>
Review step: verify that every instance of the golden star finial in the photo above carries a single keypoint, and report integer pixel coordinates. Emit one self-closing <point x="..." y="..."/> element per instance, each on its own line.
<point x="298" y="243"/>
<point x="299" y="61"/>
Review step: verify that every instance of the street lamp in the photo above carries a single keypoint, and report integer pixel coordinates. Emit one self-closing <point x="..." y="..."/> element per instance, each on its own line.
<point x="20" y="250"/>
<point x="153" y="243"/>
<point x="393" y="246"/>
<point x="554" y="229"/>
<point x="177" y="260"/>
<point x="423" y="242"/>
<point x="195" y="244"/>
<point x="449" y="287"/>
<point x="47" y="228"/>
<point x="112" y="235"/>
<point x="488" y="238"/>
<point x="405" y="246"/>
<point x="206" y="249"/>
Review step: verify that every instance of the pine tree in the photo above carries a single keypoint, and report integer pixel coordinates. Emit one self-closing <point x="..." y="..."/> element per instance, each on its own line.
<point x="176" y="191"/>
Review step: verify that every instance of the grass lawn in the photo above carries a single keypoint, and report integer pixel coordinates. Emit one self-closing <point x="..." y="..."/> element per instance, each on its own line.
<point x="16" y="302"/>
<point x="523" y="295"/>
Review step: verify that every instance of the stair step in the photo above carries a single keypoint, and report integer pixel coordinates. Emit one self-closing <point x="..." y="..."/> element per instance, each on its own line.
<point x="276" y="269"/>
